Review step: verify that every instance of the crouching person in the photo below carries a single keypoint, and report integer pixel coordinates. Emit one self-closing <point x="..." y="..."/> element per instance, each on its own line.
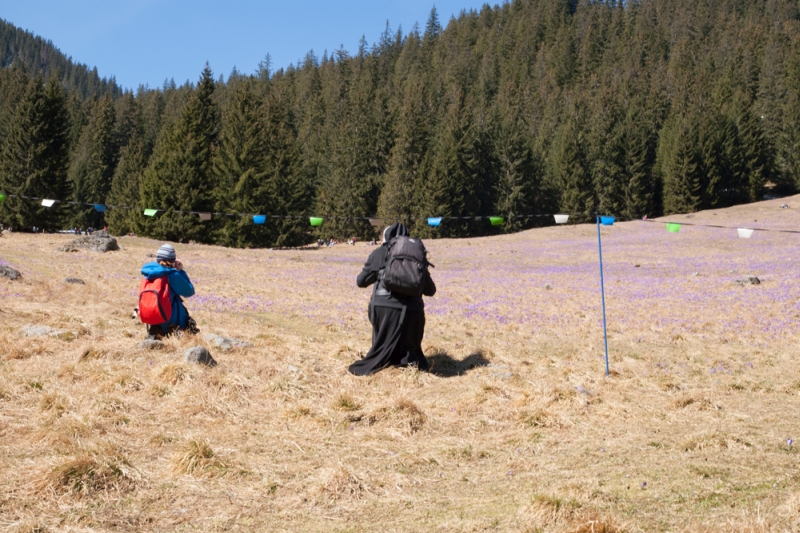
<point x="399" y="271"/>
<point x="160" y="305"/>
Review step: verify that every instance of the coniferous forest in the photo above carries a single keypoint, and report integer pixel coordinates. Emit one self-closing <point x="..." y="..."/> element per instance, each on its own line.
<point x="629" y="108"/>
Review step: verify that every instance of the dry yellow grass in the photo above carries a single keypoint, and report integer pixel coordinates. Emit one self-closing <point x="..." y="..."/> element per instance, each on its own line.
<point x="516" y="429"/>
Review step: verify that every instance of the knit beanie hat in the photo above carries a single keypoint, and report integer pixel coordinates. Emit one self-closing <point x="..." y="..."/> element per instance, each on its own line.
<point x="166" y="253"/>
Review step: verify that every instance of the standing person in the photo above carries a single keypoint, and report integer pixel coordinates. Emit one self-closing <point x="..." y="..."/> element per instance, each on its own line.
<point x="398" y="321"/>
<point x="169" y="266"/>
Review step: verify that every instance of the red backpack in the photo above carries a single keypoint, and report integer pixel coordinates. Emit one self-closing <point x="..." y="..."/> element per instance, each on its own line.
<point x="155" y="305"/>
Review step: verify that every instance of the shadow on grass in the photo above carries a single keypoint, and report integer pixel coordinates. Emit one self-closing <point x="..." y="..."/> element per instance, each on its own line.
<point x="444" y="365"/>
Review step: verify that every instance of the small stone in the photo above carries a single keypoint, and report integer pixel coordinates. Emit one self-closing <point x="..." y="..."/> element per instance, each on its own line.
<point x="547" y="287"/>
<point x="637" y="266"/>
<point x="150" y="344"/>
<point x="293" y="369"/>
<point x="696" y="274"/>
<point x="225" y="343"/>
<point x="9" y="272"/>
<point x="74" y="281"/>
<point x="38" y="330"/>
<point x="199" y="355"/>
<point x="754" y="280"/>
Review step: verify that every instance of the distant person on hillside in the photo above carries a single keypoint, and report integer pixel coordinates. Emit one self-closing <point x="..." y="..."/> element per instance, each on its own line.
<point x="167" y="316"/>
<point x="398" y="320"/>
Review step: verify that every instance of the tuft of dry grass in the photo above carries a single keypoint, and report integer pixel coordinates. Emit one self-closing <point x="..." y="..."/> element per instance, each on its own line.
<point x="346" y="402"/>
<point x="196" y="458"/>
<point x="340" y="483"/>
<point x="89" y="474"/>
<point x="174" y="373"/>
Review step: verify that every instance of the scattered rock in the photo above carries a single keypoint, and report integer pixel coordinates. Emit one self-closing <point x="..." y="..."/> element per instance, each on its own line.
<point x="637" y="266"/>
<point x="293" y="369"/>
<point x="74" y="281"/>
<point x="500" y="371"/>
<point x="9" y="272"/>
<point x="199" y="355"/>
<point x="99" y="241"/>
<point x="751" y="280"/>
<point x="150" y="344"/>
<point x="547" y="287"/>
<point x="225" y="343"/>
<point x="38" y="330"/>
<point x="150" y="255"/>
<point x="583" y="391"/>
<point x="696" y="274"/>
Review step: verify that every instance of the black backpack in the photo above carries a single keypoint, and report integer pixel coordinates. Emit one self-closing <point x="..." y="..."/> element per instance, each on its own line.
<point x="406" y="266"/>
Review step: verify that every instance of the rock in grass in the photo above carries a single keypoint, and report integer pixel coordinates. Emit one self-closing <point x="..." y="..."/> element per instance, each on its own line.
<point x="38" y="330"/>
<point x="99" y="241"/>
<point x="150" y="344"/>
<point x="10" y="273"/>
<point x="199" y="355"/>
<point x="74" y="281"/>
<point x="225" y="343"/>
<point x="751" y="280"/>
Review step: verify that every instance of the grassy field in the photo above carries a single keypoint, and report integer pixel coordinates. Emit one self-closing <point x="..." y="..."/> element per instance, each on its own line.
<point x="516" y="429"/>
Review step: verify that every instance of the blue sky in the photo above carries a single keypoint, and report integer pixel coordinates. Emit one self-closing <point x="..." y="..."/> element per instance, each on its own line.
<point x="148" y="41"/>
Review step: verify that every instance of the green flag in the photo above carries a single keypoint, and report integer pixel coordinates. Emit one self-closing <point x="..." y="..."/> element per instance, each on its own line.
<point x="673" y="228"/>
<point x="315" y="221"/>
<point x="496" y="221"/>
<point x="150" y="212"/>
<point x="2" y="197"/>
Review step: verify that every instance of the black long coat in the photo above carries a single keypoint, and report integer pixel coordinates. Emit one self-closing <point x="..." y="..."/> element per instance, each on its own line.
<point x="398" y="321"/>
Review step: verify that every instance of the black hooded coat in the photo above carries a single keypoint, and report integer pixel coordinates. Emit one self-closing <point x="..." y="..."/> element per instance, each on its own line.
<point x="398" y="321"/>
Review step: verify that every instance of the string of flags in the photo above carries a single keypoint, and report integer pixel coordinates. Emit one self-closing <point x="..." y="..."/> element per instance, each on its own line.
<point x="672" y="227"/>
<point x="262" y="219"/>
<point x="743" y="233"/>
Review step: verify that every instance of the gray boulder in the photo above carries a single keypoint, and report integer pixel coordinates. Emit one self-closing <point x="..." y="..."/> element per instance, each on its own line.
<point x="150" y="344"/>
<point x="199" y="355"/>
<point x="74" y="281"/>
<point x="99" y="241"/>
<point x="9" y="272"/>
<point x="225" y="343"/>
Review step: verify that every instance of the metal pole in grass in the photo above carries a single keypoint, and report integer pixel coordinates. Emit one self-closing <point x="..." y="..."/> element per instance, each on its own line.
<point x="602" y="288"/>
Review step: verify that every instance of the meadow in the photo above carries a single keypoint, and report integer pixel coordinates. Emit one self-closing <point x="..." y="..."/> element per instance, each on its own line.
<point x="516" y="428"/>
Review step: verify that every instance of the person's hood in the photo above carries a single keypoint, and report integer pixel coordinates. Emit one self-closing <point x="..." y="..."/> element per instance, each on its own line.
<point x="153" y="270"/>
<point x="398" y="229"/>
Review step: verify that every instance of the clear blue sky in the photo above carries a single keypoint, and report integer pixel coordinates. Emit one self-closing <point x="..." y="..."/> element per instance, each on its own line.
<point x="148" y="41"/>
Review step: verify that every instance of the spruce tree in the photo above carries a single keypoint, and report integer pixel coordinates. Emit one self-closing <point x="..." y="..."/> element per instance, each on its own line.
<point x="34" y="158"/>
<point x="397" y="194"/>
<point x="124" y="213"/>
<point x="568" y="172"/>
<point x="180" y="175"/>
<point x="445" y="186"/>
<point x="258" y="171"/>
<point x="93" y="165"/>
<point x="518" y="185"/>
<point x="680" y="166"/>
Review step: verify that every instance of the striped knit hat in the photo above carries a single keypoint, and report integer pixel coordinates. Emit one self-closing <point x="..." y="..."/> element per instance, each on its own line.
<point x="166" y="253"/>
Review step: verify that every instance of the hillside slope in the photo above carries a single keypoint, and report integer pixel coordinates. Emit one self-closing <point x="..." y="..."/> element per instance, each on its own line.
<point x="516" y="429"/>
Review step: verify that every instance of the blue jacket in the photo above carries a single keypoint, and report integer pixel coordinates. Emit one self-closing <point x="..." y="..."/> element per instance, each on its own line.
<point x="179" y="285"/>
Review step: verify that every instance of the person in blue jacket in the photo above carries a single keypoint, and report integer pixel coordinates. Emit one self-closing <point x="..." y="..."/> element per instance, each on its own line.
<point x="168" y="264"/>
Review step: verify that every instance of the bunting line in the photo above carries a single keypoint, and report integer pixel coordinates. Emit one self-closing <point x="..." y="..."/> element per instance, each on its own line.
<point x="313" y="220"/>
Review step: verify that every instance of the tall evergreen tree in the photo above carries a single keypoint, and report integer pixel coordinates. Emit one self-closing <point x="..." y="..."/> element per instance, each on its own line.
<point x="34" y="158"/>
<point x="180" y="175"/>
<point x="568" y="171"/>
<point x="93" y="164"/>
